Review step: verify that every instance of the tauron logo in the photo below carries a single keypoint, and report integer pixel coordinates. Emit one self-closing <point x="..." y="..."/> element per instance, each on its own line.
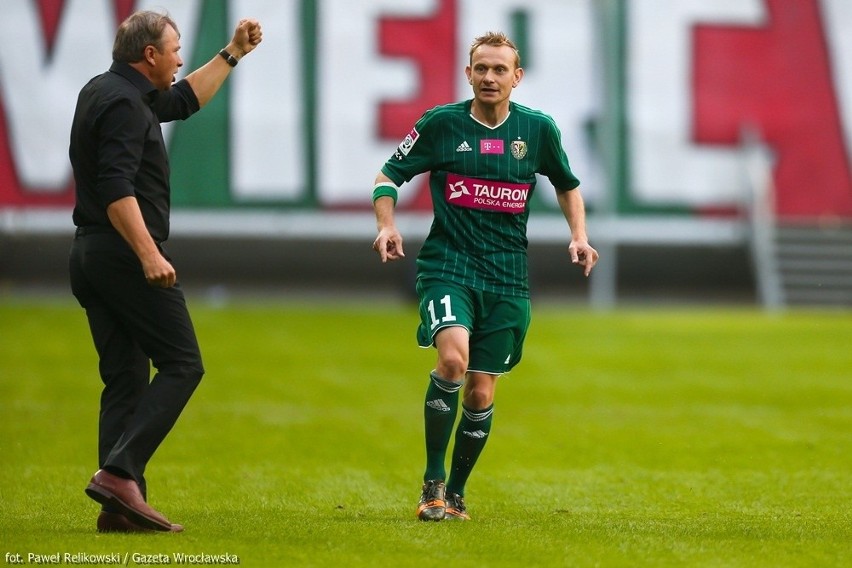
<point x="487" y="195"/>
<point x="458" y="189"/>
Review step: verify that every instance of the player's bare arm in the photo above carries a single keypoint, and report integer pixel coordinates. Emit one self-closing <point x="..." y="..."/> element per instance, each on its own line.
<point x="574" y="210"/>
<point x="388" y="243"/>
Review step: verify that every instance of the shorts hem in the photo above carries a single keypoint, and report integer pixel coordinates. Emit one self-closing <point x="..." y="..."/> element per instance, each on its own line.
<point x="439" y="328"/>
<point x="497" y="373"/>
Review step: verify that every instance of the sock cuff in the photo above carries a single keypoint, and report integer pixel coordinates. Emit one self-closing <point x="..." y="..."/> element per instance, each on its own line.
<point x="445" y="385"/>
<point x="477" y="415"/>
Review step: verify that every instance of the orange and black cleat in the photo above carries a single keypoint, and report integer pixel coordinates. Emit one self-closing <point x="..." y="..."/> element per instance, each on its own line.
<point x="432" y="505"/>
<point x="455" y="508"/>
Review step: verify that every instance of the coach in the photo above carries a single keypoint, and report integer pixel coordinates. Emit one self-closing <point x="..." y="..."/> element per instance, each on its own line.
<point x="119" y="271"/>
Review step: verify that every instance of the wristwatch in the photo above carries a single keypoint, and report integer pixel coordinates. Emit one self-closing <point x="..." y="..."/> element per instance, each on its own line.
<point x="232" y="61"/>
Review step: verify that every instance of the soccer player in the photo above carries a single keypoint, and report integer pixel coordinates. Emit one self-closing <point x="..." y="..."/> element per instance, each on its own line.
<point x="472" y="280"/>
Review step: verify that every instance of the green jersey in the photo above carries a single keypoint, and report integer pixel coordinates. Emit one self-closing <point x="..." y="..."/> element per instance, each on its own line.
<point x="481" y="180"/>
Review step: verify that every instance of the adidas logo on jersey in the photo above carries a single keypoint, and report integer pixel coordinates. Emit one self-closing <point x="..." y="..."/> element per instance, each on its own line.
<point x="438" y="405"/>
<point x="464" y="147"/>
<point x="475" y="434"/>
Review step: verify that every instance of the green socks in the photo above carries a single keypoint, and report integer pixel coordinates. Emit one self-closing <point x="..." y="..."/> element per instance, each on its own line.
<point x="440" y="411"/>
<point x="471" y="435"/>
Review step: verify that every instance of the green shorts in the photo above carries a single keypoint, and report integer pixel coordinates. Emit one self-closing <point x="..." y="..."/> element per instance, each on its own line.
<point x="497" y="324"/>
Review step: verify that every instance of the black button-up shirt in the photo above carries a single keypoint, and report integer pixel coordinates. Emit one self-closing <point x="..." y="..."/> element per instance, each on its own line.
<point x="117" y="148"/>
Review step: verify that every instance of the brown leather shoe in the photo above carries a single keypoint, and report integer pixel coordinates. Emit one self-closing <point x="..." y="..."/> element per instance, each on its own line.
<point x="124" y="495"/>
<point x="116" y="522"/>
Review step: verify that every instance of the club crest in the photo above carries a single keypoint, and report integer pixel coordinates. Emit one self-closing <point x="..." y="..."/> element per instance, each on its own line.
<point x="519" y="149"/>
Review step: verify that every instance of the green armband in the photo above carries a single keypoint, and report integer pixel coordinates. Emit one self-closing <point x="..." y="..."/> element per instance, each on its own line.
<point x="385" y="189"/>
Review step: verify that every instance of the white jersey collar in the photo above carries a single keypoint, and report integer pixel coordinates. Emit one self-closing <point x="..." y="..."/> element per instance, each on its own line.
<point x="496" y="126"/>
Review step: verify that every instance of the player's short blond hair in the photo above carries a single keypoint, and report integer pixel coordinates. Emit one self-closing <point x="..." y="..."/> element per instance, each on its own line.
<point x="495" y="39"/>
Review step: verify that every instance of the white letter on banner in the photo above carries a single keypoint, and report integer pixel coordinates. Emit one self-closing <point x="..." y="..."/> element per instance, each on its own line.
<point x="837" y="20"/>
<point x="667" y="167"/>
<point x="353" y="79"/>
<point x="39" y="90"/>
<point x="560" y="80"/>
<point x="267" y="142"/>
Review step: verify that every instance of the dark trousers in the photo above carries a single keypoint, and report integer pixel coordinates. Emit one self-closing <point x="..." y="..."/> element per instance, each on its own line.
<point x="133" y="325"/>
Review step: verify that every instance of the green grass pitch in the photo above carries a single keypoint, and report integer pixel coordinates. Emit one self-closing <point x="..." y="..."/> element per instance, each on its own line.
<point x="670" y="437"/>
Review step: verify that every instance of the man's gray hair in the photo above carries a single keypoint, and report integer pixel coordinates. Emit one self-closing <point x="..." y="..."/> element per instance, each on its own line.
<point x="138" y="31"/>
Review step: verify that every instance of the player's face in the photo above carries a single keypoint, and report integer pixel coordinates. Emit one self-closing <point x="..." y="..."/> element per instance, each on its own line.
<point x="493" y="74"/>
<point x="168" y="61"/>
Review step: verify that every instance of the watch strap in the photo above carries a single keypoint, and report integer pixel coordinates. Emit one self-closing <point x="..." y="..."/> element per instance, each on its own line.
<point x="232" y="61"/>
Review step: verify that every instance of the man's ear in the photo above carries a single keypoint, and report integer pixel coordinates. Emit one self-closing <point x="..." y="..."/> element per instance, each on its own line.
<point x="149" y="54"/>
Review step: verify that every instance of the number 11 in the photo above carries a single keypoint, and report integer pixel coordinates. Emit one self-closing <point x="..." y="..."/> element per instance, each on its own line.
<point x="448" y="312"/>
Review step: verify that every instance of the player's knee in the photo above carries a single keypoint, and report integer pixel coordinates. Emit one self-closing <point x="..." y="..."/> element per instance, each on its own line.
<point x="452" y="367"/>
<point x="478" y="398"/>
